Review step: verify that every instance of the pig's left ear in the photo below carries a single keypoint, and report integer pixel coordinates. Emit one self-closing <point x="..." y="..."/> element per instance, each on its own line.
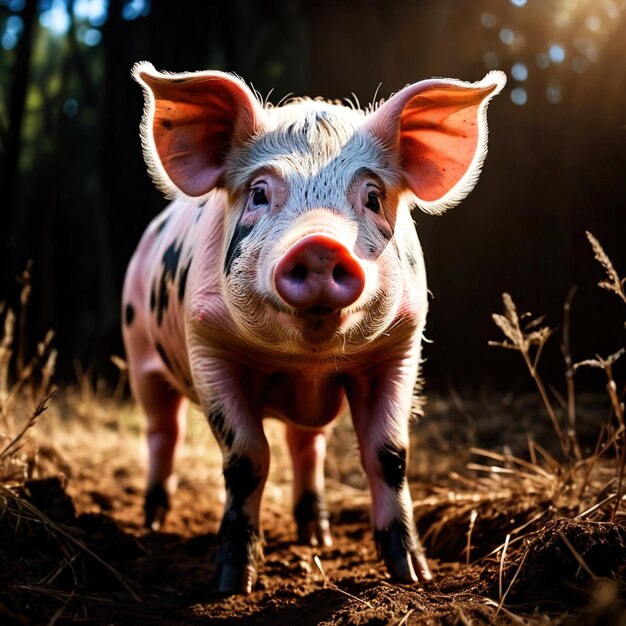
<point x="439" y="129"/>
<point x="190" y="123"/>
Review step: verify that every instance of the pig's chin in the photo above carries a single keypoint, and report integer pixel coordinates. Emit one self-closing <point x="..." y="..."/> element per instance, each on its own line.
<point x="318" y="328"/>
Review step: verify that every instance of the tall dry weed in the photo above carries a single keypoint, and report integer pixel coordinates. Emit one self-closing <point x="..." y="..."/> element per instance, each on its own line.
<point x="574" y="473"/>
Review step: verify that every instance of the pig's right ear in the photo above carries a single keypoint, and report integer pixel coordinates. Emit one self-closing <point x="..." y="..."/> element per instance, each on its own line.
<point x="190" y="122"/>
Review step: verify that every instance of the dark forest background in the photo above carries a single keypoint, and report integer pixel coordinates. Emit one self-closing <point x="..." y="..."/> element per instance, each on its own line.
<point x="75" y="196"/>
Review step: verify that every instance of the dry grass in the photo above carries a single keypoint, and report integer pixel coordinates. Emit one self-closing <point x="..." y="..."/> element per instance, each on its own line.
<point x="514" y="498"/>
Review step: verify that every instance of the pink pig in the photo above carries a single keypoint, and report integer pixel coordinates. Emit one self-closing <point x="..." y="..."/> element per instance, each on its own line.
<point x="286" y="279"/>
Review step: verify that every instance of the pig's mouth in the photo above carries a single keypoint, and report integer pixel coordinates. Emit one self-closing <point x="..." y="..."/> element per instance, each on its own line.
<point x="317" y="311"/>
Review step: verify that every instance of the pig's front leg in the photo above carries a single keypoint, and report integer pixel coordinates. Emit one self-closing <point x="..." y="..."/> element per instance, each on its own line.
<point x="246" y="463"/>
<point x="381" y="407"/>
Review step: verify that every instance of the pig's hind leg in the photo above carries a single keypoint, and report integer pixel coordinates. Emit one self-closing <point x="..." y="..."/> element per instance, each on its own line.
<point x="308" y="452"/>
<point x="165" y="410"/>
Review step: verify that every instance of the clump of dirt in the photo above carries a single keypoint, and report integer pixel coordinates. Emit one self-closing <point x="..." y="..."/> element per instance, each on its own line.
<point x="561" y="560"/>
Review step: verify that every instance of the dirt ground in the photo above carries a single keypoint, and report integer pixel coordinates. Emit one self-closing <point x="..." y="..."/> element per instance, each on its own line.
<point x="84" y="556"/>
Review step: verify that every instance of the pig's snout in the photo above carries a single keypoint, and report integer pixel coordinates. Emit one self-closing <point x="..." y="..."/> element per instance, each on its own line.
<point x="319" y="271"/>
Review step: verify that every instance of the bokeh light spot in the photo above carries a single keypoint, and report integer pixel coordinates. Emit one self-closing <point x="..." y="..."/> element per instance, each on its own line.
<point x="488" y="20"/>
<point x="519" y="71"/>
<point x="519" y="96"/>
<point x="556" y="53"/>
<point x="92" y="37"/>
<point x="542" y="60"/>
<point x="8" y="41"/>
<point x="15" y="24"/>
<point x="70" y="107"/>
<point x="579" y="64"/>
<point x="518" y="3"/>
<point x="553" y="93"/>
<point x="507" y="36"/>
<point x="56" y="18"/>
<point x="593" y="23"/>
<point x="491" y="60"/>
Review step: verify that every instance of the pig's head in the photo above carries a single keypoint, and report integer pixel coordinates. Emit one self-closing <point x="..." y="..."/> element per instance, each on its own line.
<point x="319" y="252"/>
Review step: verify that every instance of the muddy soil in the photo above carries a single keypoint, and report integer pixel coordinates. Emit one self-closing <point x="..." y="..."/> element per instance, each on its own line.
<point x="73" y="548"/>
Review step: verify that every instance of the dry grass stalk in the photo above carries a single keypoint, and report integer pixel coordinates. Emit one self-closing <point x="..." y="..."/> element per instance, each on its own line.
<point x="6" y="351"/>
<point x="517" y="572"/>
<point x="523" y="340"/>
<point x="501" y="571"/>
<point x="614" y="282"/>
<point x="569" y="376"/>
<point x="468" y="548"/>
<point x="17" y="442"/>
<point x="20" y="357"/>
<point x="617" y="436"/>
<point x="332" y="585"/>
<point x="576" y="555"/>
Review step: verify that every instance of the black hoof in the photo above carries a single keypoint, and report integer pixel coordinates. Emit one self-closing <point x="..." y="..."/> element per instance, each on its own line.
<point x="234" y="578"/>
<point x="402" y="553"/>
<point x="311" y="517"/>
<point x="156" y="505"/>
<point x="241" y="551"/>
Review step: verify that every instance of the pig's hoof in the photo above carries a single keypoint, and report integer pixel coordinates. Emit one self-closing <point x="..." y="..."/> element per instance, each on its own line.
<point x="156" y="506"/>
<point x="315" y="533"/>
<point x="311" y="517"/>
<point x="241" y="551"/>
<point x="237" y="572"/>
<point x="236" y="578"/>
<point x="402" y="553"/>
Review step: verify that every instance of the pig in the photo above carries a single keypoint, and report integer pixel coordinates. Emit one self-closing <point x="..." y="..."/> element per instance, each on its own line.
<point x="286" y="280"/>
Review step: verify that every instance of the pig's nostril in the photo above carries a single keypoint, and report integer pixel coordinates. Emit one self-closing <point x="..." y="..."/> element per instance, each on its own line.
<point x="340" y="273"/>
<point x="299" y="273"/>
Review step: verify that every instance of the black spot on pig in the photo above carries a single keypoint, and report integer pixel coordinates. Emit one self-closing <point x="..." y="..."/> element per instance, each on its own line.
<point x="152" y="298"/>
<point x="235" y="247"/>
<point x="241" y="479"/>
<point x="169" y="263"/>
<point x="393" y="464"/>
<point x="182" y="280"/>
<point x="167" y="124"/>
<point x="162" y="225"/>
<point x="129" y="314"/>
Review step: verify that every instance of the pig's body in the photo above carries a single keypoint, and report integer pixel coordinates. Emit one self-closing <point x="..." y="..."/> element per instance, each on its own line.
<point x="293" y="288"/>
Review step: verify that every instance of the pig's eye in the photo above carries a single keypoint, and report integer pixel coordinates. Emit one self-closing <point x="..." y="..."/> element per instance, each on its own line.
<point x="373" y="202"/>
<point x="258" y="197"/>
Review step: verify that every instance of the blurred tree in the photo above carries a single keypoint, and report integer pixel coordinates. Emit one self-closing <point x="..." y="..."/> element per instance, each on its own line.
<point x="11" y="135"/>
